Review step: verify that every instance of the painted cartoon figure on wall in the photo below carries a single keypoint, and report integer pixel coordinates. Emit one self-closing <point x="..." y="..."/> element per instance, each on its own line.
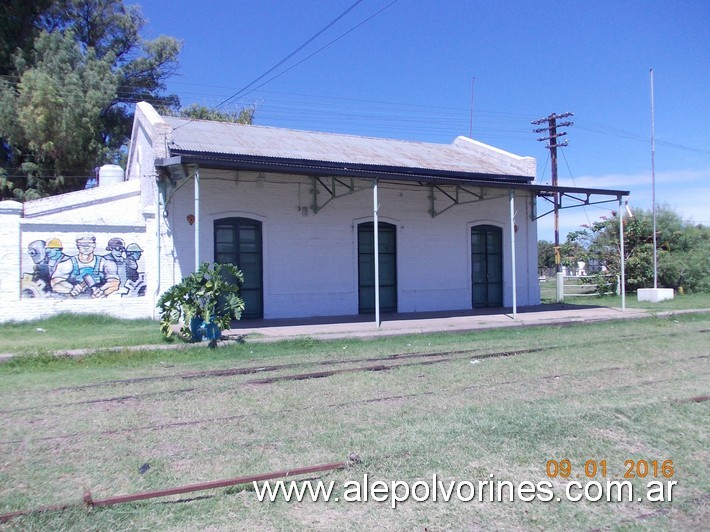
<point x="55" y="256"/>
<point x="86" y="274"/>
<point x="133" y="255"/>
<point x="117" y="254"/>
<point x="40" y="274"/>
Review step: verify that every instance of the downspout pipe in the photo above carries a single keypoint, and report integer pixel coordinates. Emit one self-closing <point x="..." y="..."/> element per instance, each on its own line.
<point x="511" y="195"/>
<point x="158" y="215"/>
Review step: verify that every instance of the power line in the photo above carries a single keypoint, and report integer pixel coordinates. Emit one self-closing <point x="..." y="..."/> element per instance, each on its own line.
<point x="323" y="47"/>
<point x="289" y="56"/>
<point x="584" y="208"/>
<point x="302" y="109"/>
<point x="630" y="135"/>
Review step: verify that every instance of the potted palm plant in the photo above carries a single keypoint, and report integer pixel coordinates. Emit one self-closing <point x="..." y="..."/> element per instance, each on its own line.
<point x="203" y="304"/>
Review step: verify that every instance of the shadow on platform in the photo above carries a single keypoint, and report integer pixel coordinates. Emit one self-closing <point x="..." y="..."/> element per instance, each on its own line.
<point x="236" y="325"/>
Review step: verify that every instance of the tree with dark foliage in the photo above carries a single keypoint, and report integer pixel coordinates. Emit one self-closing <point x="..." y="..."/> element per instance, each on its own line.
<point x="70" y="72"/>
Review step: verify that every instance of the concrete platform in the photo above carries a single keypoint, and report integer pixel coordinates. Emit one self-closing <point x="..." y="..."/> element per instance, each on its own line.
<point x="336" y="327"/>
<point x="654" y="295"/>
<point x="419" y="323"/>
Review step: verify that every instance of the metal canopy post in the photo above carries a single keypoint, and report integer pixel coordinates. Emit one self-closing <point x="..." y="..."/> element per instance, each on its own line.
<point x="622" y="288"/>
<point x="511" y="195"/>
<point x="197" y="219"/>
<point x="376" y="232"/>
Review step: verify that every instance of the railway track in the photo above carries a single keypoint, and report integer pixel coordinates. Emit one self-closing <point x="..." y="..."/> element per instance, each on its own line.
<point x="585" y="372"/>
<point x="382" y="363"/>
<point x="249" y="370"/>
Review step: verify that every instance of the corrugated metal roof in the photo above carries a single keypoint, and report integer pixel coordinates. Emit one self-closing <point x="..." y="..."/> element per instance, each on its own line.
<point x="461" y="156"/>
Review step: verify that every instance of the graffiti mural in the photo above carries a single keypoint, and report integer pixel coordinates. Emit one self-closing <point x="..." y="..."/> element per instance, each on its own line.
<point x="115" y="272"/>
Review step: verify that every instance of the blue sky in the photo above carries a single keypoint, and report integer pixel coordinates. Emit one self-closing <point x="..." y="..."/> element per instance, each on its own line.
<point x="409" y="71"/>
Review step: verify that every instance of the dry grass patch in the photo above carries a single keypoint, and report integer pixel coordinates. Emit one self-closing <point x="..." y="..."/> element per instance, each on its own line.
<point x="592" y="392"/>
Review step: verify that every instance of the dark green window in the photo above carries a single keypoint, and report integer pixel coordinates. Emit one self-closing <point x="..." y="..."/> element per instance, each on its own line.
<point x="238" y="240"/>
<point x="366" y="267"/>
<point x="487" y="266"/>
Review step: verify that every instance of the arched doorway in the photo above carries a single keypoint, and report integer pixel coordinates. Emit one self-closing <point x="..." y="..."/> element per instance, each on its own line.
<point x="238" y="240"/>
<point x="486" y="266"/>
<point x="387" y="238"/>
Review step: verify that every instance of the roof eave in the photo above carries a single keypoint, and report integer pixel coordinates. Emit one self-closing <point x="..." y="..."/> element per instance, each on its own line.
<point x="338" y="169"/>
<point x="393" y="173"/>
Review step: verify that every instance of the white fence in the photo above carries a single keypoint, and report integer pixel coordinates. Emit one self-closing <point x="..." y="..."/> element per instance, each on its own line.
<point x="565" y="288"/>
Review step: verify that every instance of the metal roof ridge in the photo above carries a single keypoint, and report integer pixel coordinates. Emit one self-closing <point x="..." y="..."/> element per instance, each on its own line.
<point x="452" y="144"/>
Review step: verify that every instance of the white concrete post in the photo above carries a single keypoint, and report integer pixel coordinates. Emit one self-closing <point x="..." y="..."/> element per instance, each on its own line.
<point x="152" y="223"/>
<point x="10" y="252"/>
<point x="560" y="280"/>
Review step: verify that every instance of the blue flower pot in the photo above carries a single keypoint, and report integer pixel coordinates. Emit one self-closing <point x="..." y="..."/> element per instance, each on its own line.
<point x="202" y="330"/>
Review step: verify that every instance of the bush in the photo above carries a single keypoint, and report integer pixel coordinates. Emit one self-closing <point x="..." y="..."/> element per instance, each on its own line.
<point x="683" y="250"/>
<point x="209" y="297"/>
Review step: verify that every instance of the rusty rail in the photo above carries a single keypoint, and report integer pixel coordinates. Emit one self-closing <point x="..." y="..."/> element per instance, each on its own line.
<point x="120" y="499"/>
<point x="697" y="399"/>
<point x="4" y="518"/>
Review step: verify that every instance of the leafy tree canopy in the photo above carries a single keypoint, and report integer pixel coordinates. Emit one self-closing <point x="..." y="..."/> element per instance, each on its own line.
<point x="570" y="253"/>
<point x="70" y="72"/>
<point x="244" y="115"/>
<point x="683" y="250"/>
<point x="18" y="29"/>
<point x="545" y="257"/>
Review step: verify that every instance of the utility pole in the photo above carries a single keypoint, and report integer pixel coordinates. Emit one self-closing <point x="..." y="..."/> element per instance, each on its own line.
<point x="553" y="135"/>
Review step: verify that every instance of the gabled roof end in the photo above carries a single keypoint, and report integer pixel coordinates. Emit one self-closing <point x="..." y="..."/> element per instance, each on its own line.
<point x="527" y="165"/>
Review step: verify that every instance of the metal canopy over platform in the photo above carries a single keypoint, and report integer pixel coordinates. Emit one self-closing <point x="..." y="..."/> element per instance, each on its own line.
<point x="465" y="182"/>
<point x="334" y="162"/>
<point x="575" y="197"/>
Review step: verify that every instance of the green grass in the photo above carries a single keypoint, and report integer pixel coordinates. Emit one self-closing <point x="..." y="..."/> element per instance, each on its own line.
<point x="65" y="332"/>
<point x="613" y="391"/>
<point x="679" y="302"/>
<point x="76" y="331"/>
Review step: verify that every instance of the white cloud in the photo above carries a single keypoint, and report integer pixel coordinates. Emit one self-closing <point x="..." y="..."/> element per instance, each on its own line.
<point x="685" y="191"/>
<point x="640" y="181"/>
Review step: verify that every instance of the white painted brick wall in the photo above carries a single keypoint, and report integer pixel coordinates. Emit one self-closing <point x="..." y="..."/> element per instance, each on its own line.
<point x="114" y="204"/>
<point x="105" y="212"/>
<point x="10" y="216"/>
<point x="310" y="260"/>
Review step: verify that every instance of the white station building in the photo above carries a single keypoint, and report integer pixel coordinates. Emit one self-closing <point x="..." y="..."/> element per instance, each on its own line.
<point x="298" y="212"/>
